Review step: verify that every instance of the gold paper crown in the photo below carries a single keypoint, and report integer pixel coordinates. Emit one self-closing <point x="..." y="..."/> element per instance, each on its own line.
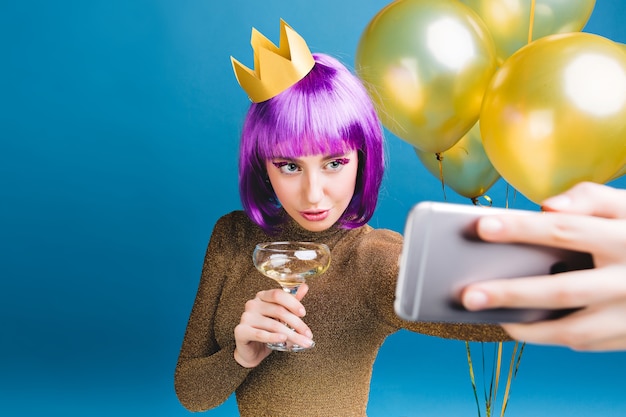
<point x="275" y="69"/>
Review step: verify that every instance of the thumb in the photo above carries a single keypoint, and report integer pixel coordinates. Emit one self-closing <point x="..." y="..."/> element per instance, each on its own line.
<point x="304" y="288"/>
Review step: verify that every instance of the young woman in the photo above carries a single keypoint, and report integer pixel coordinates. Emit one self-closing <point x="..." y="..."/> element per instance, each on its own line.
<point x="311" y="164"/>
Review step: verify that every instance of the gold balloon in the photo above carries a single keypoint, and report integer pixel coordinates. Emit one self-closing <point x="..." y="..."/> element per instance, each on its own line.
<point x="555" y="114"/>
<point x="619" y="173"/>
<point x="509" y="21"/>
<point x="622" y="171"/>
<point x="426" y="64"/>
<point x="464" y="167"/>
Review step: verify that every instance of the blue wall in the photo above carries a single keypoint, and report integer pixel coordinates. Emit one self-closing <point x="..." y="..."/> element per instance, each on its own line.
<point x="119" y="123"/>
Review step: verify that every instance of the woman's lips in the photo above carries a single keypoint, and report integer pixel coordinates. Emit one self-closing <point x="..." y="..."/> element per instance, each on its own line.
<point x="315" y="216"/>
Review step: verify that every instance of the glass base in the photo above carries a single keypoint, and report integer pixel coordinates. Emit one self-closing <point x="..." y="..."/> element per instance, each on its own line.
<point x="288" y="347"/>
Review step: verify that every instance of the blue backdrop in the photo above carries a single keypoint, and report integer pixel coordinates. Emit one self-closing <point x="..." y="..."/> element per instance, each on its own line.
<point x="119" y="122"/>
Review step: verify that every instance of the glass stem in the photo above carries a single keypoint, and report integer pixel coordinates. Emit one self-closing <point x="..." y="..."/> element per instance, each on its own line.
<point x="291" y="290"/>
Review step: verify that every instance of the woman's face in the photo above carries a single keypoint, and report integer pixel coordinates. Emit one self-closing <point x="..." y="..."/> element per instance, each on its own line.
<point x="314" y="190"/>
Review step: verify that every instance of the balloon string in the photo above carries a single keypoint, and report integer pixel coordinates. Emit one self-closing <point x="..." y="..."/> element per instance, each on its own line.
<point x="532" y="21"/>
<point x="439" y="157"/>
<point x="506" y="197"/>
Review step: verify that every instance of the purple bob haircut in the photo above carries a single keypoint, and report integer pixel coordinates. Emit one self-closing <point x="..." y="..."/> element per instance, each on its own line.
<point x="327" y="112"/>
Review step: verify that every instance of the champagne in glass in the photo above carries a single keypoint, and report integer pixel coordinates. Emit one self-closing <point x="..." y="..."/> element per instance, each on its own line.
<point x="290" y="264"/>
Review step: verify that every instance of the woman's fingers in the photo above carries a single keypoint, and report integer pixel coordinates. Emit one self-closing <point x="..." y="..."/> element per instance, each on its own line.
<point x="571" y="290"/>
<point x="590" y="329"/>
<point x="587" y="218"/>
<point x="604" y="239"/>
<point x="281" y="298"/>
<point x="590" y="199"/>
<point x="275" y="316"/>
<point x="599" y="325"/>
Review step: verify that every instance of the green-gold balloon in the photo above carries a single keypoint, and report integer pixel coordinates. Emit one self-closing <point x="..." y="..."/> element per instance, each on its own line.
<point x="464" y="167"/>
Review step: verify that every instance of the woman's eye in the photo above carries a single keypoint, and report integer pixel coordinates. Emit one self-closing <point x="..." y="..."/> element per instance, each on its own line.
<point x="337" y="164"/>
<point x="286" y="167"/>
<point x="290" y="167"/>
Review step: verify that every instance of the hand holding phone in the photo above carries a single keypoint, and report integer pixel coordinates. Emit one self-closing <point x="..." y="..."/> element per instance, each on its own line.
<point x="442" y="254"/>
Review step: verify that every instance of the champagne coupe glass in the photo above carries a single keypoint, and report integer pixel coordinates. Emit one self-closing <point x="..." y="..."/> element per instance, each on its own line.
<point x="290" y="264"/>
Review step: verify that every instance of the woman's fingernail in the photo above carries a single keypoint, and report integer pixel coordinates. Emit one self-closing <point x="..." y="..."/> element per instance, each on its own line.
<point x="475" y="300"/>
<point x="490" y="225"/>
<point x="559" y="202"/>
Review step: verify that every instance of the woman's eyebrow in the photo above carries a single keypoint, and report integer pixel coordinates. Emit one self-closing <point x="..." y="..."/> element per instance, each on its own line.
<point x="337" y="155"/>
<point x="324" y="157"/>
<point x="283" y="158"/>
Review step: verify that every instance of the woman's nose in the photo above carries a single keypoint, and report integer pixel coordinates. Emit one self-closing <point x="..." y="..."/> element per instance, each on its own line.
<point x="314" y="188"/>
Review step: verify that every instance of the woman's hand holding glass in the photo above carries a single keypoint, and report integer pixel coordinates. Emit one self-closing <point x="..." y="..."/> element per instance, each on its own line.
<point x="263" y="321"/>
<point x="589" y="218"/>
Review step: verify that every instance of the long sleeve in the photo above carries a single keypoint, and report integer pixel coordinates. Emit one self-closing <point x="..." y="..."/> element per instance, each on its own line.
<point x="380" y="252"/>
<point x="207" y="373"/>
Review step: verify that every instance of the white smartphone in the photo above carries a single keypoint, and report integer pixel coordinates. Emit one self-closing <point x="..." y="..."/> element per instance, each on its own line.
<point x="442" y="253"/>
